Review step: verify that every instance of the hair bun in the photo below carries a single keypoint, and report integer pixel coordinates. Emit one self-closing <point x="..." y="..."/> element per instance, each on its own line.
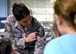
<point x="14" y="5"/>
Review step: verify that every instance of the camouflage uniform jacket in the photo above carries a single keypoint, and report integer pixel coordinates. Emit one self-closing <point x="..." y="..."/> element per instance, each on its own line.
<point x="15" y="31"/>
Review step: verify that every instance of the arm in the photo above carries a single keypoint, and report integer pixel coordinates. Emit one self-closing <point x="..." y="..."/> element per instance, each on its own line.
<point x="9" y="33"/>
<point x="40" y="43"/>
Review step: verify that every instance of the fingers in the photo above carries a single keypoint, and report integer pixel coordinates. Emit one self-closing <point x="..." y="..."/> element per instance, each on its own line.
<point x="34" y="39"/>
<point x="31" y="37"/>
<point x="33" y="34"/>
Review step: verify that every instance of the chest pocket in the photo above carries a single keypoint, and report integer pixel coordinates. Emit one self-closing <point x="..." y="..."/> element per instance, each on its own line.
<point x="17" y="33"/>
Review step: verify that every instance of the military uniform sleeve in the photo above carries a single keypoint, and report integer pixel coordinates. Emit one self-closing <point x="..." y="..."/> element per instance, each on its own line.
<point x="40" y="43"/>
<point x="9" y="33"/>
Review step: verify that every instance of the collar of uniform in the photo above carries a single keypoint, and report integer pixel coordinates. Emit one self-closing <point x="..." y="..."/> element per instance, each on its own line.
<point x="17" y="25"/>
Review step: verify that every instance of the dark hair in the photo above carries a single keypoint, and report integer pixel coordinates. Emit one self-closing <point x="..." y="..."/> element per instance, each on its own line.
<point x="20" y="11"/>
<point x="5" y="46"/>
<point x="67" y="10"/>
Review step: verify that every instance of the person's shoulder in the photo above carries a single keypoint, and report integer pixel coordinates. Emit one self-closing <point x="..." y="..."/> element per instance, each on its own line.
<point x="50" y="46"/>
<point x="53" y="45"/>
<point x="35" y="21"/>
<point x="57" y="40"/>
<point x="10" y="18"/>
<point x="53" y="41"/>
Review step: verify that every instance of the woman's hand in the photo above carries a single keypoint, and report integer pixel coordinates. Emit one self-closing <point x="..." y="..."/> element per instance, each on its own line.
<point x="31" y="37"/>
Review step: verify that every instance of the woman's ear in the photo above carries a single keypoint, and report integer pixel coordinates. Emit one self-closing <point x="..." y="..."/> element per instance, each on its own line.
<point x="58" y="19"/>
